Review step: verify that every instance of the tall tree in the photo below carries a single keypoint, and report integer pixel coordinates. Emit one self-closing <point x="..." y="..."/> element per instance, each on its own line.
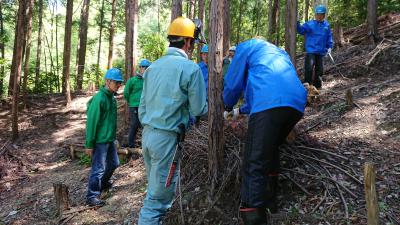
<point x="215" y="85"/>
<point x="372" y="21"/>
<point x="18" y="55"/>
<point x="227" y="26"/>
<point x="274" y="21"/>
<point x="57" y="66"/>
<point x="111" y="32"/>
<point x="290" y="29"/>
<point x="39" y="46"/>
<point x="67" y="50"/>
<point x="28" y="33"/>
<point x="99" y="50"/>
<point x="2" y="68"/>
<point x="176" y="9"/>
<point x="131" y="20"/>
<point x="201" y="16"/>
<point x="306" y="9"/>
<point x="81" y="52"/>
<point x="239" y="26"/>
<point x="192" y="8"/>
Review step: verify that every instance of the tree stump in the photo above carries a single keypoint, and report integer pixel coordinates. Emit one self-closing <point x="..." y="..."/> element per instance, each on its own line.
<point x="61" y="196"/>
<point x="349" y="98"/>
<point x="370" y="194"/>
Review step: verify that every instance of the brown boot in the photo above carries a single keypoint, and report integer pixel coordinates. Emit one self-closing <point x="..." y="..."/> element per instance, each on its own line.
<point x="254" y="216"/>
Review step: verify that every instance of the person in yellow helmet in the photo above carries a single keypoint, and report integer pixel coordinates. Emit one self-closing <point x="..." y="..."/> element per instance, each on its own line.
<point x="173" y="89"/>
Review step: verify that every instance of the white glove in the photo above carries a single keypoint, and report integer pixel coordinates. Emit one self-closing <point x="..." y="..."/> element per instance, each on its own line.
<point x="236" y="113"/>
<point x="329" y="51"/>
<point x="227" y="114"/>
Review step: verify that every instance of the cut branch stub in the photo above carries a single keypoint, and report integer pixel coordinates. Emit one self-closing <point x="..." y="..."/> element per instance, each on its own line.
<point x="61" y="196"/>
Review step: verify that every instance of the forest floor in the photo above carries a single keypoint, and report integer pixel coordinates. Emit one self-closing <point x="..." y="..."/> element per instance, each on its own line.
<point x="370" y="131"/>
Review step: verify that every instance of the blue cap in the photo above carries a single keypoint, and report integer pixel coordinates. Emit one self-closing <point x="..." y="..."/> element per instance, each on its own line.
<point x="321" y="9"/>
<point x="114" y="74"/>
<point x="145" y="63"/>
<point x="204" y="49"/>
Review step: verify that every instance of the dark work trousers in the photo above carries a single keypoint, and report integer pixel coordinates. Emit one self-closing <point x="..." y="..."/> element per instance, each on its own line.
<point x="133" y="127"/>
<point x="313" y="62"/>
<point x="267" y="130"/>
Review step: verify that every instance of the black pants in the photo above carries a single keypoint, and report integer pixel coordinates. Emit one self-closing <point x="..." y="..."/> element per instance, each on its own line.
<point x="312" y="63"/>
<point x="267" y="130"/>
<point x="133" y="127"/>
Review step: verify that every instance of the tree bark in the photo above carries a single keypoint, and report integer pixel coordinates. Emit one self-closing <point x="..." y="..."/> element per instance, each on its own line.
<point x="273" y="22"/>
<point x="16" y="71"/>
<point x="372" y="21"/>
<point x="111" y="31"/>
<point x="239" y="27"/>
<point x="67" y="50"/>
<point x="215" y="86"/>
<point x="131" y="21"/>
<point x="176" y="9"/>
<point x="338" y="35"/>
<point x="62" y="197"/>
<point x="57" y="65"/>
<point x="28" y="32"/>
<point x="306" y="9"/>
<point x="99" y="50"/>
<point x="39" y="47"/>
<point x="290" y="29"/>
<point x="81" y="53"/>
<point x="192" y="8"/>
<point x="227" y="26"/>
<point x="2" y="68"/>
<point x="200" y="15"/>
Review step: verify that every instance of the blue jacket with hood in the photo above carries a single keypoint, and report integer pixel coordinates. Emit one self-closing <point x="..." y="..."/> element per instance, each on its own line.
<point x="266" y="75"/>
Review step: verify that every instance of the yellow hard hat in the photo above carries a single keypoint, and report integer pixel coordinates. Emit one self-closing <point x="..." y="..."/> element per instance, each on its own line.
<point x="182" y="27"/>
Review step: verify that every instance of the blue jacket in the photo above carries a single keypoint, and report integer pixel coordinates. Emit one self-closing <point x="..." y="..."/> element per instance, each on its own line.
<point x="204" y="71"/>
<point x="266" y="75"/>
<point x="318" y="36"/>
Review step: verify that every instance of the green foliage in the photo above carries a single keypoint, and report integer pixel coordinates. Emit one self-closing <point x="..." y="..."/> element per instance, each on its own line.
<point x="85" y="160"/>
<point x="153" y="46"/>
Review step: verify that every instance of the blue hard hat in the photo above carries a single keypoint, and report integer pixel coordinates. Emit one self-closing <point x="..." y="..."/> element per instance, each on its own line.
<point x="145" y="63"/>
<point x="114" y="74"/>
<point x="321" y="9"/>
<point x="204" y="49"/>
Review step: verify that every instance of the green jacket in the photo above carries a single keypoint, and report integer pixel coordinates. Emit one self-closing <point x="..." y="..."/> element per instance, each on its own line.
<point x="173" y="88"/>
<point x="101" y="122"/>
<point x="225" y="65"/>
<point x="133" y="91"/>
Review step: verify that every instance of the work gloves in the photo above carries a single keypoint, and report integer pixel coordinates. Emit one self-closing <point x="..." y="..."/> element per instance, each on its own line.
<point x="231" y="113"/>
<point x="329" y="51"/>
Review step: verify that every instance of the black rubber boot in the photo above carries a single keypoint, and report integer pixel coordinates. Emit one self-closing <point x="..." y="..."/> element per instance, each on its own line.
<point x="254" y="216"/>
<point x="272" y="193"/>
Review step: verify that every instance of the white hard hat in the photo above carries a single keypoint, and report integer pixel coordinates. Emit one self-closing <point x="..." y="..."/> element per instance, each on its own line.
<point x="233" y="48"/>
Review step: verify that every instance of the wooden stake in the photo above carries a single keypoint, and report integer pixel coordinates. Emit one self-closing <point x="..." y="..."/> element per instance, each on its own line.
<point x="61" y="196"/>
<point x="349" y="98"/>
<point x="370" y="194"/>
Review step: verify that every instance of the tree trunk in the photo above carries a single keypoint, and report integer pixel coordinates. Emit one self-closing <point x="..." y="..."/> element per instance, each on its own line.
<point x="215" y="86"/>
<point x="306" y="8"/>
<point x="62" y="197"/>
<point x="67" y="50"/>
<point x="158" y="17"/>
<point x="273" y="22"/>
<point x="131" y="20"/>
<point x="28" y="32"/>
<point x="290" y="29"/>
<point x="227" y="26"/>
<point x="192" y="7"/>
<point x="52" y="69"/>
<point x="176" y="9"/>
<point x="2" y="68"/>
<point x="111" y="31"/>
<point x="338" y="35"/>
<point x="239" y="27"/>
<point x="200" y="15"/>
<point x="16" y="71"/>
<point x="372" y="21"/>
<point x="81" y="53"/>
<point x="57" y="65"/>
<point x="39" y="47"/>
<point x="99" y="50"/>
